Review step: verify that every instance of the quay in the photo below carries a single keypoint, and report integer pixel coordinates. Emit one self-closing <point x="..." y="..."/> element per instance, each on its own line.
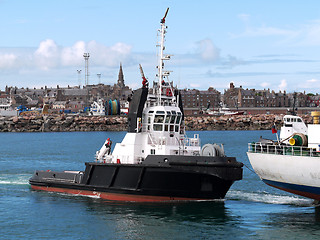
<point x="71" y="123"/>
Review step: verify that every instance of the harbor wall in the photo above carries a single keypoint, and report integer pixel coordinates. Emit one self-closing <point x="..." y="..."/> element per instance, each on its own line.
<point x="67" y="123"/>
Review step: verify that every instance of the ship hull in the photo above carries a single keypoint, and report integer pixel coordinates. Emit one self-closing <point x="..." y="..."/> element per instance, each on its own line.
<point x="169" y="181"/>
<point x="295" y="174"/>
<point x="9" y="113"/>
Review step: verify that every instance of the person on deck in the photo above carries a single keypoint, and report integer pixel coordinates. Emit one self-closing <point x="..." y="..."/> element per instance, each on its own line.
<point x="108" y="145"/>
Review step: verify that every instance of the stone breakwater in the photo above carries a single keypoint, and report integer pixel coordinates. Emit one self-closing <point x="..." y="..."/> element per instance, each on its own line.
<point x="62" y="123"/>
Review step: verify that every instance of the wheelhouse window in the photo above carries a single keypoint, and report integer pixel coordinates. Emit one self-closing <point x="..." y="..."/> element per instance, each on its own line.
<point x="167" y="121"/>
<point x="178" y="118"/>
<point x="173" y="117"/>
<point x="157" y="127"/>
<point x="168" y="117"/>
<point x="159" y="119"/>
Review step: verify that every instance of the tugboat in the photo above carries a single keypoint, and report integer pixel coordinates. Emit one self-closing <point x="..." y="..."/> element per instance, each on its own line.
<point x="155" y="161"/>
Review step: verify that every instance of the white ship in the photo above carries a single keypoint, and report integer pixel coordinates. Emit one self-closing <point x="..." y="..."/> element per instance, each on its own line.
<point x="291" y="163"/>
<point x="97" y="108"/>
<point x="7" y="110"/>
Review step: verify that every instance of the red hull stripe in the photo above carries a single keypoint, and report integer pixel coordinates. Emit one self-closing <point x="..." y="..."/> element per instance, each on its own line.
<point x="113" y="196"/>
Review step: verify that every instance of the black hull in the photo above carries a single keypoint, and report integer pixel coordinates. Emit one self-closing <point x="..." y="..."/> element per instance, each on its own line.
<point x="174" y="178"/>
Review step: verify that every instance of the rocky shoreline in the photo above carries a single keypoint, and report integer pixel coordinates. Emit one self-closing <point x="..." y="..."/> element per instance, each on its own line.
<point x="67" y="123"/>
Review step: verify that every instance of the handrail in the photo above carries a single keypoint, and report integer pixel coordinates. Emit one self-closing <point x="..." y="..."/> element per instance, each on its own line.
<point x="269" y="148"/>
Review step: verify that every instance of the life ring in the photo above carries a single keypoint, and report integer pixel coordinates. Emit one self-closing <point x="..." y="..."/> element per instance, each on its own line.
<point x="169" y="93"/>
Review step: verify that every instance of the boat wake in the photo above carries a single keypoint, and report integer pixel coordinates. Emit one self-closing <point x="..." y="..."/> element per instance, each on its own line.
<point x="14" y="179"/>
<point x="264" y="197"/>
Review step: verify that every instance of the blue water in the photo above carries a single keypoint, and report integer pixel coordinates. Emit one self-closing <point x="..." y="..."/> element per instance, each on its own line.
<point x="251" y="210"/>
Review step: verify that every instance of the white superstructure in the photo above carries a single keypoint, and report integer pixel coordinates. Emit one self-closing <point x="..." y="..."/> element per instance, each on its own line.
<point x="292" y="124"/>
<point x="97" y="108"/>
<point x="160" y="130"/>
<point x="6" y="109"/>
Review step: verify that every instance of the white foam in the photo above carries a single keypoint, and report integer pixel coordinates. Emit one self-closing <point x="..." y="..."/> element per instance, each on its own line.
<point x="265" y="197"/>
<point x="14" y="179"/>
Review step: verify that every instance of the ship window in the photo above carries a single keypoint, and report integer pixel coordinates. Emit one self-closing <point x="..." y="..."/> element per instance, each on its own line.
<point x="167" y="119"/>
<point x="158" y="119"/>
<point x="299" y="120"/>
<point x="166" y="128"/>
<point x="150" y="111"/>
<point x="157" y="127"/>
<point x="149" y="119"/>
<point x="171" y="128"/>
<point x="161" y="112"/>
<point x="153" y="151"/>
<point x="178" y="119"/>
<point x="173" y="118"/>
<point x="177" y="128"/>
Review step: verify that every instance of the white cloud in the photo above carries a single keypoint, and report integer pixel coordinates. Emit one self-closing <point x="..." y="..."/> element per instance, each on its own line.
<point x="194" y="85"/>
<point x="312" y="81"/>
<point x="207" y="50"/>
<point x="310" y="84"/>
<point x="71" y="56"/>
<point x="283" y="84"/>
<point x="307" y="34"/>
<point x="265" y="84"/>
<point x="48" y="55"/>
<point x="7" y="60"/>
<point x="109" y="56"/>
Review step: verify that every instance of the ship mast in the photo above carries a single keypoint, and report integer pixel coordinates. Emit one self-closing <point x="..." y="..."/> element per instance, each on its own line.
<point x="162" y="73"/>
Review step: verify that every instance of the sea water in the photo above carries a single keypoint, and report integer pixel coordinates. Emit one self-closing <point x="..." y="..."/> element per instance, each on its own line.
<point x="251" y="209"/>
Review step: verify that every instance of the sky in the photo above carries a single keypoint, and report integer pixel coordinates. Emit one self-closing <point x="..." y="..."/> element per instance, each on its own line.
<point x="254" y="44"/>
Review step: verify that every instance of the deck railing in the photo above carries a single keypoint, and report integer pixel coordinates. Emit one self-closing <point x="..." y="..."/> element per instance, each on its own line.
<point x="269" y="148"/>
<point x="195" y="141"/>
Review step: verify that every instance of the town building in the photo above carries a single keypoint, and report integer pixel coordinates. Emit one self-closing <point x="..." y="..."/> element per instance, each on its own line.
<point x="195" y="101"/>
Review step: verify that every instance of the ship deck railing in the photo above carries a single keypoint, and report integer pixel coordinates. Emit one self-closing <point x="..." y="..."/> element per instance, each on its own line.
<point x="182" y="142"/>
<point x="269" y="148"/>
<point x="191" y="142"/>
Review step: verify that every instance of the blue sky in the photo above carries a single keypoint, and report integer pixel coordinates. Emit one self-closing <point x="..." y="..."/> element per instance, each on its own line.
<point x="255" y="44"/>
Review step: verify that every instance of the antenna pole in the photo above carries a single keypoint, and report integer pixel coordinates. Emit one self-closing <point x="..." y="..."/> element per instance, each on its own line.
<point x="161" y="58"/>
<point x="86" y="58"/>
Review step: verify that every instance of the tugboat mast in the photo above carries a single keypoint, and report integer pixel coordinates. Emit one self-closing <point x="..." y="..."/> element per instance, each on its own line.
<point x="161" y="71"/>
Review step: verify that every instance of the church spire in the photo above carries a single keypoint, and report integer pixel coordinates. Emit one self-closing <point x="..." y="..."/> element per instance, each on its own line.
<point x="121" y="77"/>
